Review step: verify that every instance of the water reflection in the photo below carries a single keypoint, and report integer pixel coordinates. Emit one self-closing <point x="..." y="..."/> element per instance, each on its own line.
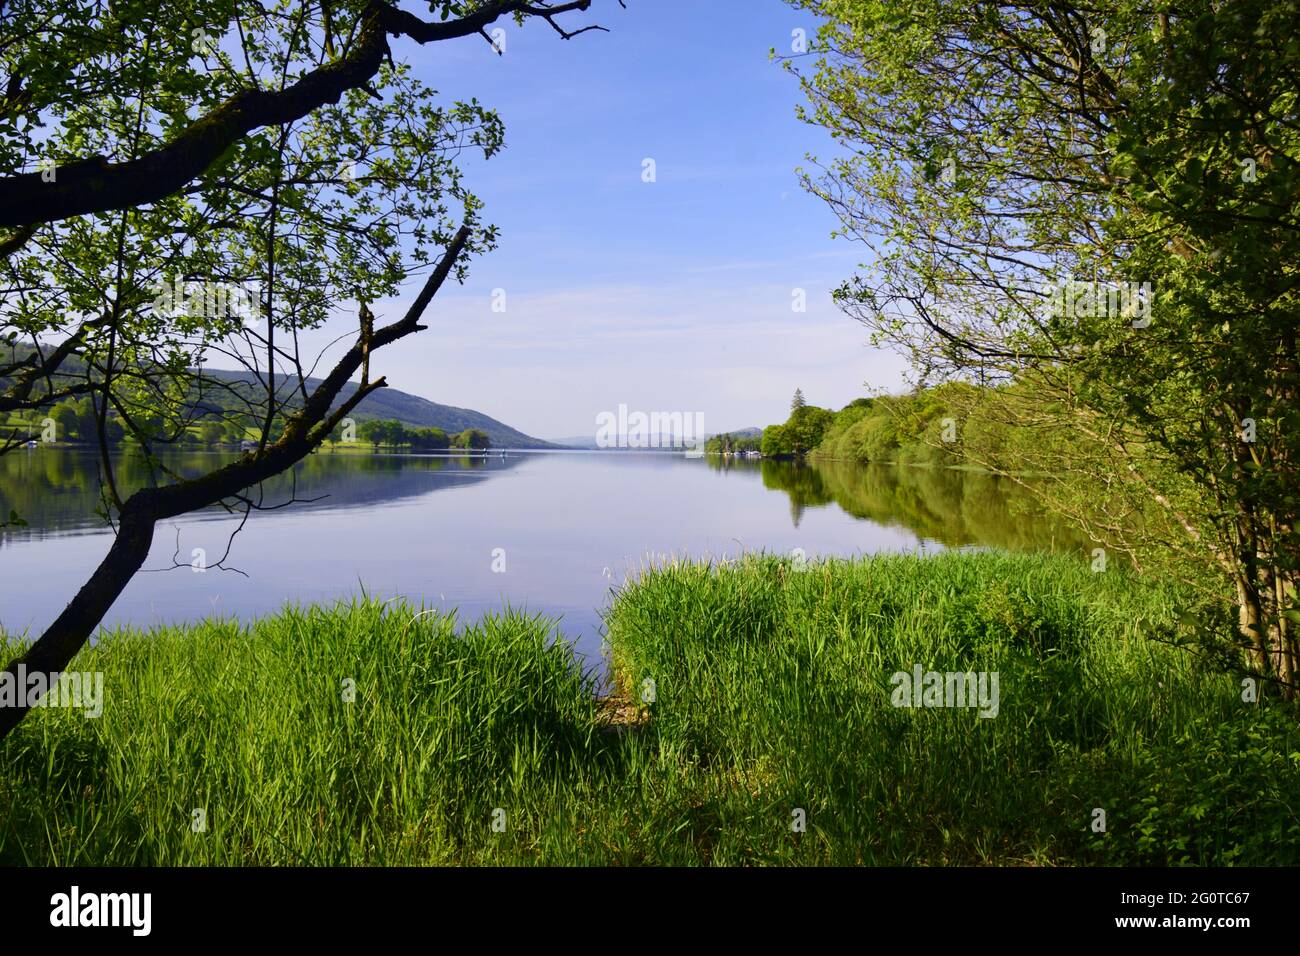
<point x="954" y="508"/>
<point x="59" y="490"/>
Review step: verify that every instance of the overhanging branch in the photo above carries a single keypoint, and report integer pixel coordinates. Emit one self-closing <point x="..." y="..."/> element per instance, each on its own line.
<point x="94" y="185"/>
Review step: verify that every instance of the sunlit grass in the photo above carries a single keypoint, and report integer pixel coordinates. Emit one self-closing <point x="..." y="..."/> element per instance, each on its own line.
<point x="486" y="743"/>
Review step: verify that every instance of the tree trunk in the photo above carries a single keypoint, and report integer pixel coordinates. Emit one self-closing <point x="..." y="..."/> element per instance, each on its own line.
<point x="1284" y="633"/>
<point x="1249" y="624"/>
<point x="52" y="653"/>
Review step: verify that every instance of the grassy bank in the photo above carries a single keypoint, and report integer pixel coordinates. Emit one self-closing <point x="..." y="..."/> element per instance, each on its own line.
<point x="772" y="693"/>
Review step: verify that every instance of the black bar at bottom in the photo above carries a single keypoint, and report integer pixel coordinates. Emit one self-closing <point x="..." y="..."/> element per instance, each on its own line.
<point x="334" y="906"/>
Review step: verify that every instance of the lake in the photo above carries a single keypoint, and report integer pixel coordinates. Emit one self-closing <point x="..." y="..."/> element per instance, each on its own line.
<point x="549" y="532"/>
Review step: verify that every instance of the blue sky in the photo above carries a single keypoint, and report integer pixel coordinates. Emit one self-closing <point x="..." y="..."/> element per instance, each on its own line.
<point x="673" y="295"/>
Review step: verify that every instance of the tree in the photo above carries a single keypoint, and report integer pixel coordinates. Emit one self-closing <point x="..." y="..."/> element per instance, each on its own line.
<point x="805" y="428"/>
<point x="1099" y="203"/>
<point x="776" y="442"/>
<point x="372" y="431"/>
<point x="65" y="420"/>
<point x="797" y="402"/>
<point x="389" y="433"/>
<point x="472" y="438"/>
<point x="430" y="439"/>
<point x="212" y="433"/>
<point x="214" y="181"/>
<point x="236" y="430"/>
<point x="85" y="420"/>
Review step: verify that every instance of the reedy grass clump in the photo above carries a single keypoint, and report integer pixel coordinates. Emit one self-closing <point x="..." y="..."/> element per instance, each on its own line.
<point x="772" y="694"/>
<point x="251" y="725"/>
<point x="774" y="683"/>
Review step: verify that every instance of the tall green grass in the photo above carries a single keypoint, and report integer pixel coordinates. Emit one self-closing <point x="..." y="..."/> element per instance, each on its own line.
<point x="251" y="726"/>
<point x="771" y="707"/>
<point x="774" y="685"/>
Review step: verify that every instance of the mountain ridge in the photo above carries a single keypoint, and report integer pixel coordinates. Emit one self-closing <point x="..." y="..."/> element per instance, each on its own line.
<point x="412" y="410"/>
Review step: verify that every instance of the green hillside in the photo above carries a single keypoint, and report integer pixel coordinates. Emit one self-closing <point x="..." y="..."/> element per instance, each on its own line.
<point x="416" y="412"/>
<point x="386" y="404"/>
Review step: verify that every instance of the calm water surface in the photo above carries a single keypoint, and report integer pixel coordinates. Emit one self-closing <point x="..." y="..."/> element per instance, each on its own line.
<point x="569" y="526"/>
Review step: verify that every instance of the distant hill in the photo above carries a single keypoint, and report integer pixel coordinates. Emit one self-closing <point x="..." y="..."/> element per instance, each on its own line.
<point x="387" y="403"/>
<point x="413" y="411"/>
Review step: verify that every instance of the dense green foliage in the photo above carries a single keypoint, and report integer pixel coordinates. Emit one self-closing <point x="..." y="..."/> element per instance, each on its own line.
<point x="903" y="429"/>
<point x="76" y="421"/>
<point x="771" y="694"/>
<point x="471" y="438"/>
<point x="951" y="425"/>
<point x="393" y="435"/>
<point x="928" y="426"/>
<point x="1099" y="202"/>
<point x="800" y="434"/>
